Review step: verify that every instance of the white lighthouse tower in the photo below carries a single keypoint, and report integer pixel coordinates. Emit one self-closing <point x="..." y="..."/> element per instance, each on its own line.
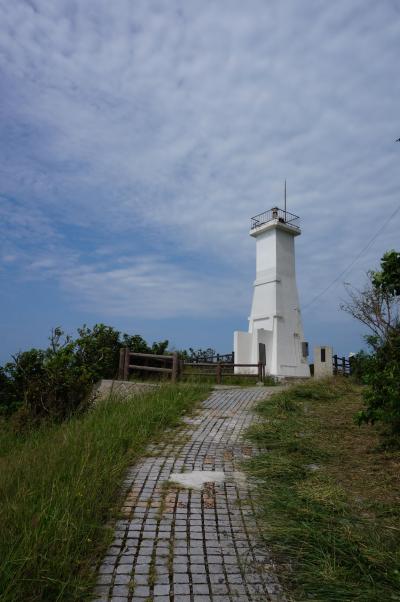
<point x="275" y="326"/>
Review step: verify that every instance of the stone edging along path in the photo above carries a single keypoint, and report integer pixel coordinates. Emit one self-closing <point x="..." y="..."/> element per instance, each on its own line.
<point x="197" y="544"/>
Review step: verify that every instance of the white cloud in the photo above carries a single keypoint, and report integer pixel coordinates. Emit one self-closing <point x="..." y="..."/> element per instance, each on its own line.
<point x="146" y="287"/>
<point x="180" y="121"/>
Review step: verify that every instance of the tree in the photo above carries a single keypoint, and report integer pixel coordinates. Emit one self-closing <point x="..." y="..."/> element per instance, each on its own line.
<point x="98" y="348"/>
<point x="378" y="307"/>
<point x="382" y="397"/>
<point x="201" y="355"/>
<point x="375" y="307"/>
<point x="49" y="383"/>
<point x="388" y="279"/>
<point x="159" y="348"/>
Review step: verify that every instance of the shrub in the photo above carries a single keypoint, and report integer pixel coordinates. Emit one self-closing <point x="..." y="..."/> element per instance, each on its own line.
<point x="360" y="363"/>
<point x="55" y="382"/>
<point x="98" y="348"/>
<point x="382" y="396"/>
<point x="19" y="378"/>
<point x="46" y="384"/>
<point x="378" y="307"/>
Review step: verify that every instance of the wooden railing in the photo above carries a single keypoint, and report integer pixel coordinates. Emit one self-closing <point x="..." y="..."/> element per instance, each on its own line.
<point x="166" y="364"/>
<point x="220" y="369"/>
<point x="173" y="367"/>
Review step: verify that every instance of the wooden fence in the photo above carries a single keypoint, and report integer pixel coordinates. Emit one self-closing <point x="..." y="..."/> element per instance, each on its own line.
<point x="219" y="370"/>
<point x="173" y="367"/>
<point x="147" y="362"/>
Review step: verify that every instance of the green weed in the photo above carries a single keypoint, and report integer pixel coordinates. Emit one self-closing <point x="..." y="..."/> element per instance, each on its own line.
<point x="327" y="496"/>
<point x="60" y="486"/>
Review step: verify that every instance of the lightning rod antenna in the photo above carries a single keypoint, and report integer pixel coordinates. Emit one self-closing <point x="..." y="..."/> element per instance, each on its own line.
<point x="285" y="200"/>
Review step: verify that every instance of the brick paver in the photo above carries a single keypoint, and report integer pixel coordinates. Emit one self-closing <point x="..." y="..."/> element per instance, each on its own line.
<point x="189" y="545"/>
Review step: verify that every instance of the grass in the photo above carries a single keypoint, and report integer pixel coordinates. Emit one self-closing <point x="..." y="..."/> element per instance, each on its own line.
<point x="228" y="379"/>
<point x="328" y="495"/>
<point x="61" y="485"/>
<point x="195" y="376"/>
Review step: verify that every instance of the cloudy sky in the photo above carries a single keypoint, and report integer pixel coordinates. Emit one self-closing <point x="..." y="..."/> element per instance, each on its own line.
<point x="138" y="138"/>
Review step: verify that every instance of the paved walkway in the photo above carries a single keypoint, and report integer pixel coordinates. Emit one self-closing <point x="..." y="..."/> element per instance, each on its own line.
<point x="192" y="545"/>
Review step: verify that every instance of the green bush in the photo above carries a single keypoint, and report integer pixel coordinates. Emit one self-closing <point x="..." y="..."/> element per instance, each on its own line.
<point x="99" y="348"/>
<point x="360" y="363"/>
<point x="45" y="384"/>
<point x="382" y="396"/>
<point x="55" y="382"/>
<point x="388" y="278"/>
<point x="378" y="307"/>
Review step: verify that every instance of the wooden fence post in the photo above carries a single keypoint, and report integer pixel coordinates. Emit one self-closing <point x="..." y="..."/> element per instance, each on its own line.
<point x="121" y="363"/>
<point x="126" y="364"/>
<point x="344" y="366"/>
<point x="335" y="364"/>
<point x="218" y="374"/>
<point x="174" y="373"/>
<point x="260" y="367"/>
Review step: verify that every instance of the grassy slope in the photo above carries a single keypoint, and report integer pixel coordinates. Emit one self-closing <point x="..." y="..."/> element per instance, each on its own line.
<point x="328" y="496"/>
<point x="58" y="488"/>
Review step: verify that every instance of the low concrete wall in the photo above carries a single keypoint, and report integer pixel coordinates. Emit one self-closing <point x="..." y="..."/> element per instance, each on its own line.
<point x="323" y="361"/>
<point x="242" y="342"/>
<point x="122" y="388"/>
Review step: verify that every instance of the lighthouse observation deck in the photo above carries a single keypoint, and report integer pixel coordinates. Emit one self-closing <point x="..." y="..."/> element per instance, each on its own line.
<point x="275" y="214"/>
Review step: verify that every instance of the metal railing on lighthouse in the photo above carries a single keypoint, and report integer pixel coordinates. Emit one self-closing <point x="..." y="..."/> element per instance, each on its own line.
<point x="275" y="214"/>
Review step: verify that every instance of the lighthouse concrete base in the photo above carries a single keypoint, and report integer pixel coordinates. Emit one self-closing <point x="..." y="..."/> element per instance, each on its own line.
<point x="281" y="361"/>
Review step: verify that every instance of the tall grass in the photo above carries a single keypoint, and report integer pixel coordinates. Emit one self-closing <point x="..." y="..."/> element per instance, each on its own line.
<point x="328" y="496"/>
<point x="60" y="485"/>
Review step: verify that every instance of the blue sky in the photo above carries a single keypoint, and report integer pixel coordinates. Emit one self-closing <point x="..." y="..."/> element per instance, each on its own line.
<point x="138" y="138"/>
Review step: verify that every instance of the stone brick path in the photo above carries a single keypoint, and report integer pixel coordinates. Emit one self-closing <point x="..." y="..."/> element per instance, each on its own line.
<point x="192" y="545"/>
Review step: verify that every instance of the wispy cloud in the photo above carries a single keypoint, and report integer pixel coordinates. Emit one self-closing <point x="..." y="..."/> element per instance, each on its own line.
<point x="144" y="286"/>
<point x="151" y="288"/>
<point x="164" y="126"/>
